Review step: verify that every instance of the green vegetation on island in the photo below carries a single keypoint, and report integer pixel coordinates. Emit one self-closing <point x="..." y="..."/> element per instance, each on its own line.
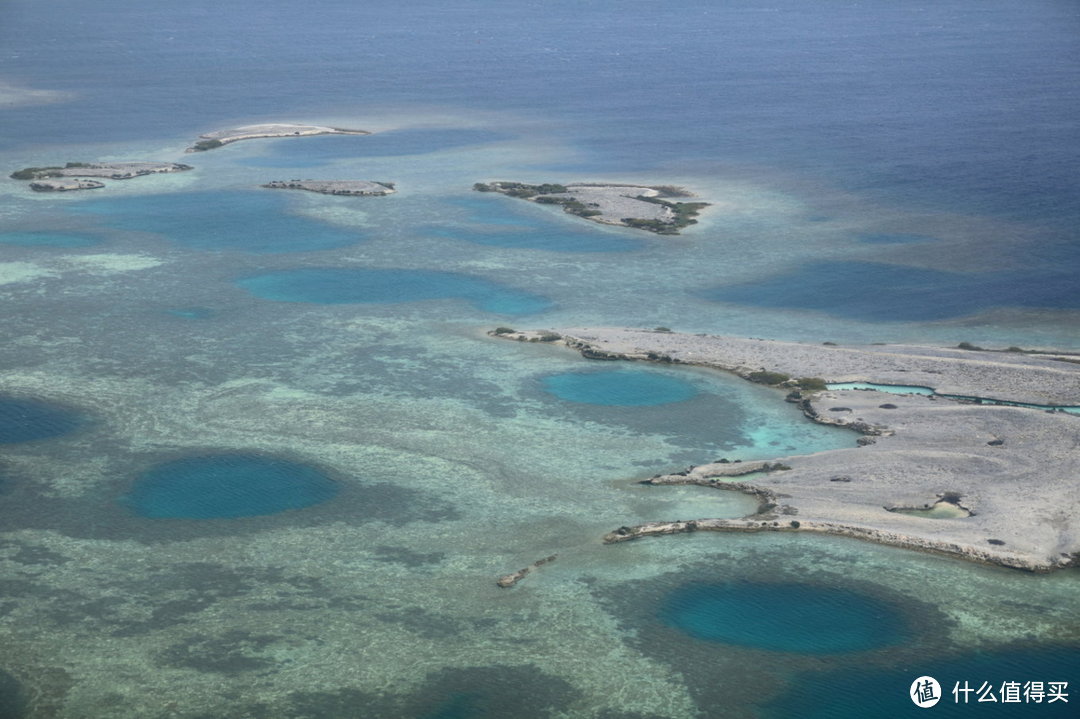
<point x="204" y="145"/>
<point x="40" y="173"/>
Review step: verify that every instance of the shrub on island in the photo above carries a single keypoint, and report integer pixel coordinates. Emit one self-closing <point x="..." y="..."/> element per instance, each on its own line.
<point x="766" y="377"/>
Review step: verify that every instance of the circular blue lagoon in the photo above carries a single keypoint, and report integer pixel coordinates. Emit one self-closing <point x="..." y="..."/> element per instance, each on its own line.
<point x="336" y="285"/>
<point x="785" y="617"/>
<point x="224" y="486"/>
<point x="25" y="420"/>
<point x="619" y="388"/>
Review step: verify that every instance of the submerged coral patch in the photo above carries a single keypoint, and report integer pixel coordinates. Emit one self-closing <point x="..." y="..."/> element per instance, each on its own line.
<point x="221" y="486"/>
<point x="787" y="617"/>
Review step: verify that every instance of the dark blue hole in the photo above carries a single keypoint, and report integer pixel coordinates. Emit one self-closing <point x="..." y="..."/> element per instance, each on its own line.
<point x="24" y="420"/>
<point x="227" y="486"/>
<point x="784" y="617"/>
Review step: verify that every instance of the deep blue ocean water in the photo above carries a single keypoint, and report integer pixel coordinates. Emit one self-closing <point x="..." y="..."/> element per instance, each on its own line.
<point x="879" y="171"/>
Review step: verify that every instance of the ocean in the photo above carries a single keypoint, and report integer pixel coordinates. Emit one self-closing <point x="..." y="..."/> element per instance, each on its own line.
<point x="259" y="457"/>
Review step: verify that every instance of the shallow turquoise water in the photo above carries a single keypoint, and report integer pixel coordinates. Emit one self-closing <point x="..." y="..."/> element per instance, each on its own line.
<point x="619" y="388"/>
<point x="26" y="420"/>
<point x="228" y="220"/>
<point x="335" y="285"/>
<point x="224" y="486"/>
<point x="48" y="239"/>
<point x="785" y="617"/>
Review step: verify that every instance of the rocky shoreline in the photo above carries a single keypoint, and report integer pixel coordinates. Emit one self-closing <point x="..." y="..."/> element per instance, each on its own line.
<point x="363" y="188"/>
<point x="211" y="140"/>
<point x="1011" y="472"/>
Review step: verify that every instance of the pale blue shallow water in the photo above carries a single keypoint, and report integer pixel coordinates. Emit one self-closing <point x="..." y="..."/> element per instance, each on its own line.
<point x="879" y="171"/>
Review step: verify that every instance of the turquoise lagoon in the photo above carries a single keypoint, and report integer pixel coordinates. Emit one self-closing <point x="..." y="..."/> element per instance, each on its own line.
<point x="620" y="388"/>
<point x="784" y="617"/>
<point x="351" y="332"/>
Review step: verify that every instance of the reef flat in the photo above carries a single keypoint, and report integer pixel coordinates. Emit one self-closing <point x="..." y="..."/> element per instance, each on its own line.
<point x="638" y="206"/>
<point x="1007" y="474"/>
<point x="335" y="187"/>
<point x="210" y="140"/>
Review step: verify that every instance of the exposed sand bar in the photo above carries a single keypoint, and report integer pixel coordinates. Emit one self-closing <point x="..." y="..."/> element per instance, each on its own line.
<point x="1017" y="470"/>
<point x="210" y="140"/>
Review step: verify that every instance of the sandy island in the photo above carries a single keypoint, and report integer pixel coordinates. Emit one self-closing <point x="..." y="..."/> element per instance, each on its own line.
<point x="61" y="179"/>
<point x="638" y="206"/>
<point x="210" y="140"/>
<point x="995" y="484"/>
<point x="362" y="188"/>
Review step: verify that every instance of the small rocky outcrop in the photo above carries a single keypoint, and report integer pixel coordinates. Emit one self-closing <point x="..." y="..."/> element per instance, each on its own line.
<point x="510" y="580"/>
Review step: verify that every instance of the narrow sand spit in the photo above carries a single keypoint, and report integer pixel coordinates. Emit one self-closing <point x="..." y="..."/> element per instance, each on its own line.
<point x="210" y="140"/>
<point x="1016" y="470"/>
